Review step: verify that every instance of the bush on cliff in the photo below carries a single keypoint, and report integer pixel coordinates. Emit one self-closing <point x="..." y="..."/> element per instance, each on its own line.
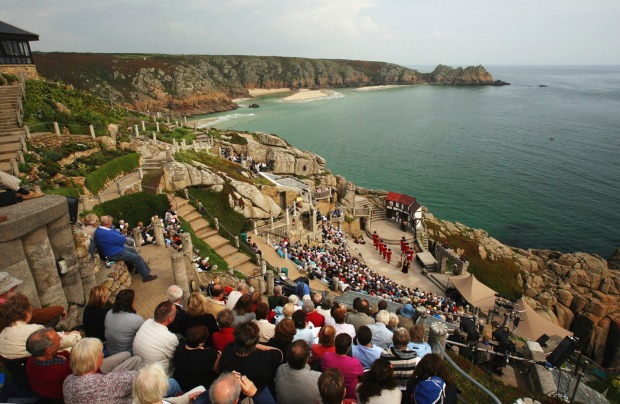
<point x="47" y="103"/>
<point x="216" y="204"/>
<point x="97" y="180"/>
<point x="134" y="208"/>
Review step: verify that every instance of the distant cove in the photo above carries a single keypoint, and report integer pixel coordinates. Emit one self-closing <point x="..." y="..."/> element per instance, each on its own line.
<point x="537" y="167"/>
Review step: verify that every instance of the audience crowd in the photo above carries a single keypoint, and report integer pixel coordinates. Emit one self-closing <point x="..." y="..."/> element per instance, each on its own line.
<point x="230" y="345"/>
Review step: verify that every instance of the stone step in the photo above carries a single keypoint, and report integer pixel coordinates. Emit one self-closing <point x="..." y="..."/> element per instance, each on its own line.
<point x="185" y="209"/>
<point x="226" y="251"/>
<point x="237" y="259"/>
<point x="206" y="233"/>
<point x="199" y="224"/>
<point x="9" y="139"/>
<point x="192" y="216"/>
<point x="248" y="268"/>
<point x="216" y="241"/>
<point x="5" y="166"/>
<point x="8" y="156"/>
<point x="11" y="147"/>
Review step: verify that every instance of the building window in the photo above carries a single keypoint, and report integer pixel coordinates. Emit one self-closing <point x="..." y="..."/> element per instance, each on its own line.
<point x="15" y="52"/>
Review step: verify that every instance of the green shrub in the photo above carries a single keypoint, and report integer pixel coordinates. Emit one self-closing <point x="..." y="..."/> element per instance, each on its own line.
<point x="216" y="204"/>
<point x="73" y="192"/>
<point x="97" y="180"/>
<point x="134" y="208"/>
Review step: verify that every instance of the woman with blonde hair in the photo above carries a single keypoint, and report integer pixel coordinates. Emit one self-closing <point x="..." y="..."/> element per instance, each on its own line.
<point x="196" y="314"/>
<point x="98" y="306"/>
<point x="86" y="384"/>
<point x="151" y="384"/>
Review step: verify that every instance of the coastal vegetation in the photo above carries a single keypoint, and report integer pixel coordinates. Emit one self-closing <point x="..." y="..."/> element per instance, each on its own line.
<point x="133" y="208"/>
<point x="201" y="84"/>
<point x="97" y="180"/>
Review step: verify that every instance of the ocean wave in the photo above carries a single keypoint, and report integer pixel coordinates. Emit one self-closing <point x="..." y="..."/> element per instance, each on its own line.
<point x="205" y="123"/>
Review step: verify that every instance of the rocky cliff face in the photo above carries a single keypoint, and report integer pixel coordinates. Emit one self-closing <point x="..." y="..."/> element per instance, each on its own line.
<point x="204" y="84"/>
<point x="578" y="291"/>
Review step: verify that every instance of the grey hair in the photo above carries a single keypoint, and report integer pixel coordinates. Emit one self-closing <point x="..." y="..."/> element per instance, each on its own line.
<point x="225" y="389"/>
<point x="38" y="342"/>
<point x="174" y="293"/>
<point x="307" y="306"/>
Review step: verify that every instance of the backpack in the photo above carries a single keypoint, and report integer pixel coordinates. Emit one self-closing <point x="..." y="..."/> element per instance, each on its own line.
<point x="430" y="391"/>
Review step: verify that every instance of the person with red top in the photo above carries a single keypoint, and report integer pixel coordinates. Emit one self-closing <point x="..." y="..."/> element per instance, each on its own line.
<point x="47" y="368"/>
<point x="225" y="335"/>
<point x="388" y="255"/>
<point x="350" y="367"/>
<point x="317" y="319"/>
<point x="327" y="337"/>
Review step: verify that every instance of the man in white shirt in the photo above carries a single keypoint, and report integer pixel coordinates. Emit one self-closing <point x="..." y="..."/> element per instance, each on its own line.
<point x="242" y="289"/>
<point x="153" y="342"/>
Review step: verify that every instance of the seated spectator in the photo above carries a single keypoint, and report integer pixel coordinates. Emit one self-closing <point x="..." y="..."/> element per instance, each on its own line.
<point x="243" y="310"/>
<point x="153" y="342"/>
<point x="227" y="388"/>
<point x="361" y="316"/>
<point x="48" y="317"/>
<point x="295" y="382"/>
<point x="242" y="289"/>
<point x="378" y="385"/>
<point x="351" y="368"/>
<point x="393" y="322"/>
<point x="48" y="367"/>
<point x="363" y="349"/>
<point x="224" y="336"/>
<point x="340" y="325"/>
<point x="194" y="363"/>
<point x="275" y="298"/>
<point x="175" y="295"/>
<point x="16" y="314"/>
<point x="332" y="388"/>
<point x="95" y="312"/>
<point x="417" y="343"/>
<point x="325" y="308"/>
<point x="122" y="323"/>
<point x="284" y="334"/>
<point x="381" y="335"/>
<point x="266" y="329"/>
<point x="86" y="385"/>
<point x="258" y="365"/>
<point x="301" y="326"/>
<point x="405" y="317"/>
<point x="327" y="340"/>
<point x="256" y="299"/>
<point x="197" y="314"/>
<point x="312" y="315"/>
<point x="215" y="302"/>
<point x="402" y="359"/>
<point x="111" y="244"/>
<point x="151" y="384"/>
<point x="431" y="383"/>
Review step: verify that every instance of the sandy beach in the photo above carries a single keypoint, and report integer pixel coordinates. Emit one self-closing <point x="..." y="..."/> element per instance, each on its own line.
<point x="371" y="88"/>
<point x="306" y="94"/>
<point x="262" y="91"/>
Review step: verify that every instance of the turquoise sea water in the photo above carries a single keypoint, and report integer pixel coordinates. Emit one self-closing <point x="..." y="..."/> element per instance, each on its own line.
<point x="535" y="167"/>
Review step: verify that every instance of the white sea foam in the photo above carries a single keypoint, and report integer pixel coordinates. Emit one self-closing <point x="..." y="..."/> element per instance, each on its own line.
<point x="330" y="96"/>
<point x="205" y="123"/>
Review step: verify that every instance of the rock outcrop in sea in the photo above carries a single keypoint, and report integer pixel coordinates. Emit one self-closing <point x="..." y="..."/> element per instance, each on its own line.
<point x="192" y="84"/>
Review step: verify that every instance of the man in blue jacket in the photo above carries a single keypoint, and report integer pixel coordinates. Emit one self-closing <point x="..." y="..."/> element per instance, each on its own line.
<point x="111" y="244"/>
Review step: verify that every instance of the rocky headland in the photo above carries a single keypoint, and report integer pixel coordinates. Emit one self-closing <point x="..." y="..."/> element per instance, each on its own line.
<point x="578" y="291"/>
<point x="193" y="84"/>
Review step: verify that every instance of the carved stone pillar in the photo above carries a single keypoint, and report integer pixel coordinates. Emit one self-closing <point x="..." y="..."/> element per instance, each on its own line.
<point x="180" y="274"/>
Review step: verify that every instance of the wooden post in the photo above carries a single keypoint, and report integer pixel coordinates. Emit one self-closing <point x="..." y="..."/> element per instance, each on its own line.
<point x="22" y="141"/>
<point x="143" y="127"/>
<point x="217" y="223"/>
<point x="91" y="129"/>
<point x="14" y="167"/>
<point x="27" y="129"/>
<point x="56" y="129"/>
<point x="137" y="132"/>
<point x="140" y="173"/>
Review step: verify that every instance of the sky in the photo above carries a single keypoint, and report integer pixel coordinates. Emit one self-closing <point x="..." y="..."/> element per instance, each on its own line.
<point x="406" y="32"/>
